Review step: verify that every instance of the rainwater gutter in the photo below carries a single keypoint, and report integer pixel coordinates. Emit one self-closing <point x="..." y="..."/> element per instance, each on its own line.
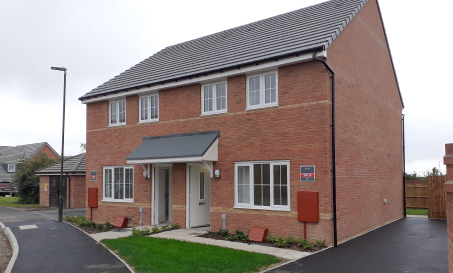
<point x="334" y="172"/>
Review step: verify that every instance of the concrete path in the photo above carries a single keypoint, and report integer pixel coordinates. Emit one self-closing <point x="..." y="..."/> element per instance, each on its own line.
<point x="408" y="245"/>
<point x="46" y="245"/>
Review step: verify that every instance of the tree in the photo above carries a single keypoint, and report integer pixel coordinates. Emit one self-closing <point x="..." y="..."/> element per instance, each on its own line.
<point x="412" y="176"/>
<point x="27" y="184"/>
<point x="433" y="172"/>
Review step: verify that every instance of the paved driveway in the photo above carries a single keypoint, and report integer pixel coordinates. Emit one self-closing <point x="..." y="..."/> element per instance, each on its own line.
<point x="408" y="245"/>
<point x="46" y="245"/>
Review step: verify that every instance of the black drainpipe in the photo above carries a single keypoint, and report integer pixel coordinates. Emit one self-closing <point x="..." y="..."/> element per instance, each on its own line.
<point x="334" y="171"/>
<point x="404" y="170"/>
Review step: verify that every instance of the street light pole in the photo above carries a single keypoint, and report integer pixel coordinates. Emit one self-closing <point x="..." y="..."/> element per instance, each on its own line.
<point x="60" y="197"/>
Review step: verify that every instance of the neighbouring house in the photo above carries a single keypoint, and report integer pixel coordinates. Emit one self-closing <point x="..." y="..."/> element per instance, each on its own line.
<point x="10" y="156"/>
<point x="73" y="187"/>
<point x="240" y="126"/>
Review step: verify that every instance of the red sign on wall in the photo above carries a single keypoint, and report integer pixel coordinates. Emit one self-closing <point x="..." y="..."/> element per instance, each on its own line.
<point x="307" y="173"/>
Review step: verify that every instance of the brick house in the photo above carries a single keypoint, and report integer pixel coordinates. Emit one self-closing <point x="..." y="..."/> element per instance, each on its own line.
<point x="10" y="156"/>
<point x="237" y="122"/>
<point x="73" y="187"/>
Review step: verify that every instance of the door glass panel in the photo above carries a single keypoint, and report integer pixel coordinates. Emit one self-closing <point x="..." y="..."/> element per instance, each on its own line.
<point x="201" y="185"/>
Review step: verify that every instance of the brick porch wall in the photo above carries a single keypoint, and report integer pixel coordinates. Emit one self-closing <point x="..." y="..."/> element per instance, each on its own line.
<point x="448" y="161"/>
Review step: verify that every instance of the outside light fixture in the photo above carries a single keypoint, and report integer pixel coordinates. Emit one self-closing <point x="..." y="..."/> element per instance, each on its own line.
<point x="217" y="173"/>
<point x="60" y="197"/>
<point x="145" y="174"/>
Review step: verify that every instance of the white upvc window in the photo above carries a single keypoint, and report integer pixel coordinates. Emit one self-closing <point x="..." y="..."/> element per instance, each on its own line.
<point x="262" y="185"/>
<point x="262" y="90"/>
<point x="11" y="168"/>
<point x="117" y="110"/>
<point x="214" y="98"/>
<point x="119" y="184"/>
<point x="149" y="108"/>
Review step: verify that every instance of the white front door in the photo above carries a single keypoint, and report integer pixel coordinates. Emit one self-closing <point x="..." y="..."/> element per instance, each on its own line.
<point x="199" y="195"/>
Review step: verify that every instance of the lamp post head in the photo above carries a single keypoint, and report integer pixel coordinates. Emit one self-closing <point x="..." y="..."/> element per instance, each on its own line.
<point x="58" y="68"/>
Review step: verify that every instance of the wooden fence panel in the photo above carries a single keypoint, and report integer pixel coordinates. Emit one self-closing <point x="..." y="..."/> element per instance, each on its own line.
<point x="417" y="194"/>
<point x="436" y="197"/>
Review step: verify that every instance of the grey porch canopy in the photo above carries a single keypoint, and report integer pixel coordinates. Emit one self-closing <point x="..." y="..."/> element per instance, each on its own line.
<point x="189" y="147"/>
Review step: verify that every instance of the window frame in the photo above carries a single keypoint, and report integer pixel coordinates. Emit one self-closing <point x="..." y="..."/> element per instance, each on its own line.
<point x="149" y="110"/>
<point x="117" y="112"/>
<point x="214" y="99"/>
<point x="262" y="91"/>
<point x="13" y="169"/>
<point x="251" y="204"/>
<point x="124" y="182"/>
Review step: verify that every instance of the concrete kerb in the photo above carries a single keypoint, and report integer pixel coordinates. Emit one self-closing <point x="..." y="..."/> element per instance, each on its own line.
<point x="14" y="245"/>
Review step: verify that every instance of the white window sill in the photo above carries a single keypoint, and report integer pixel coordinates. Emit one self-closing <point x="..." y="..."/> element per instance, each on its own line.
<point x="118" y="200"/>
<point x="213" y="113"/>
<point x="117" y="125"/>
<point x="148" y="121"/>
<point x="261" y="106"/>
<point x="263" y="208"/>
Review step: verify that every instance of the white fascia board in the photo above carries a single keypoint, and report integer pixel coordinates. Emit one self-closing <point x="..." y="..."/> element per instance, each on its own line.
<point x="214" y="76"/>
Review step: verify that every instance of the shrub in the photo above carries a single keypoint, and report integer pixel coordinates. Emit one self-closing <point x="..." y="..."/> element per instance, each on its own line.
<point x="140" y="232"/>
<point x="163" y="228"/>
<point x="155" y="229"/>
<point x="175" y="226"/>
<point x="223" y="232"/>
<point x="320" y="243"/>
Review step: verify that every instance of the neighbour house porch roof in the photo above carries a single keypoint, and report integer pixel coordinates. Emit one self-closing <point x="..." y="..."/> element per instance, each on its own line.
<point x="188" y="147"/>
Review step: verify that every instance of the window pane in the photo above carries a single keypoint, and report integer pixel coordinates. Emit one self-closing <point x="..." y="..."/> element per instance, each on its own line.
<point x="144" y="108"/>
<point x="208" y="98"/>
<point x="129" y="183"/>
<point x="113" y="106"/>
<point x="108" y="183"/>
<point x="270" y="88"/>
<point x="118" y="184"/>
<point x="261" y="178"/>
<point x="154" y="106"/>
<point x="280" y="185"/>
<point x="201" y="185"/>
<point x="122" y="111"/>
<point x="254" y="90"/>
<point x="221" y="96"/>
<point x="244" y="184"/>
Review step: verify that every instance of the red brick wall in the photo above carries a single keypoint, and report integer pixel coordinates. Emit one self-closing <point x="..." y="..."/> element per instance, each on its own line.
<point x="47" y="151"/>
<point x="448" y="160"/>
<point x="44" y="190"/>
<point x="76" y="191"/>
<point x="368" y="126"/>
<point x="368" y="137"/>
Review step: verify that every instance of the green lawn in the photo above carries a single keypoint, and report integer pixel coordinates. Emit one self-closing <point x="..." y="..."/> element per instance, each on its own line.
<point x="12" y="202"/>
<point x="146" y="254"/>
<point x="417" y="211"/>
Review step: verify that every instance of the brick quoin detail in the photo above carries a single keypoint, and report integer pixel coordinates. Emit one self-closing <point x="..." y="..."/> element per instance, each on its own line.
<point x="448" y="161"/>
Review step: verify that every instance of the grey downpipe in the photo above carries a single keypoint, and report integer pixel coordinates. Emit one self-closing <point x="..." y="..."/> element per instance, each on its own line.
<point x="334" y="171"/>
<point x="404" y="168"/>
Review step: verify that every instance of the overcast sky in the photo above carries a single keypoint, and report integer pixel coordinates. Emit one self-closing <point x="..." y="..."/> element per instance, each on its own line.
<point x="98" y="39"/>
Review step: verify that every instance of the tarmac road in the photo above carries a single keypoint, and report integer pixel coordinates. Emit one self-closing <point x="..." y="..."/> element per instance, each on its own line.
<point x="46" y="245"/>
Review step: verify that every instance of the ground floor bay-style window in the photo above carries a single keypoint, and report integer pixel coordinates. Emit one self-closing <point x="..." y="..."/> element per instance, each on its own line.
<point x="119" y="184"/>
<point x="262" y="185"/>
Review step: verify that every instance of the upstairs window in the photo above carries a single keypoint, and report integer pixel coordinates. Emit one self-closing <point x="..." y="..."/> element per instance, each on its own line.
<point x="11" y="168"/>
<point x="262" y="90"/>
<point x="214" y="98"/>
<point x="149" y="108"/>
<point x="117" y="112"/>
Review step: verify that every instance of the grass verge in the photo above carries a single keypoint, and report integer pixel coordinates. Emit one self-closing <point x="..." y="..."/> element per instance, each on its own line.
<point x="12" y="202"/>
<point x="147" y="254"/>
<point x="417" y="211"/>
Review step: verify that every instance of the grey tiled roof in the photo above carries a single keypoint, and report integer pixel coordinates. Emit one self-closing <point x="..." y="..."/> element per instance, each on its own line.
<point x="13" y="155"/>
<point x="71" y="165"/>
<point x="305" y="30"/>
<point x="174" y="146"/>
